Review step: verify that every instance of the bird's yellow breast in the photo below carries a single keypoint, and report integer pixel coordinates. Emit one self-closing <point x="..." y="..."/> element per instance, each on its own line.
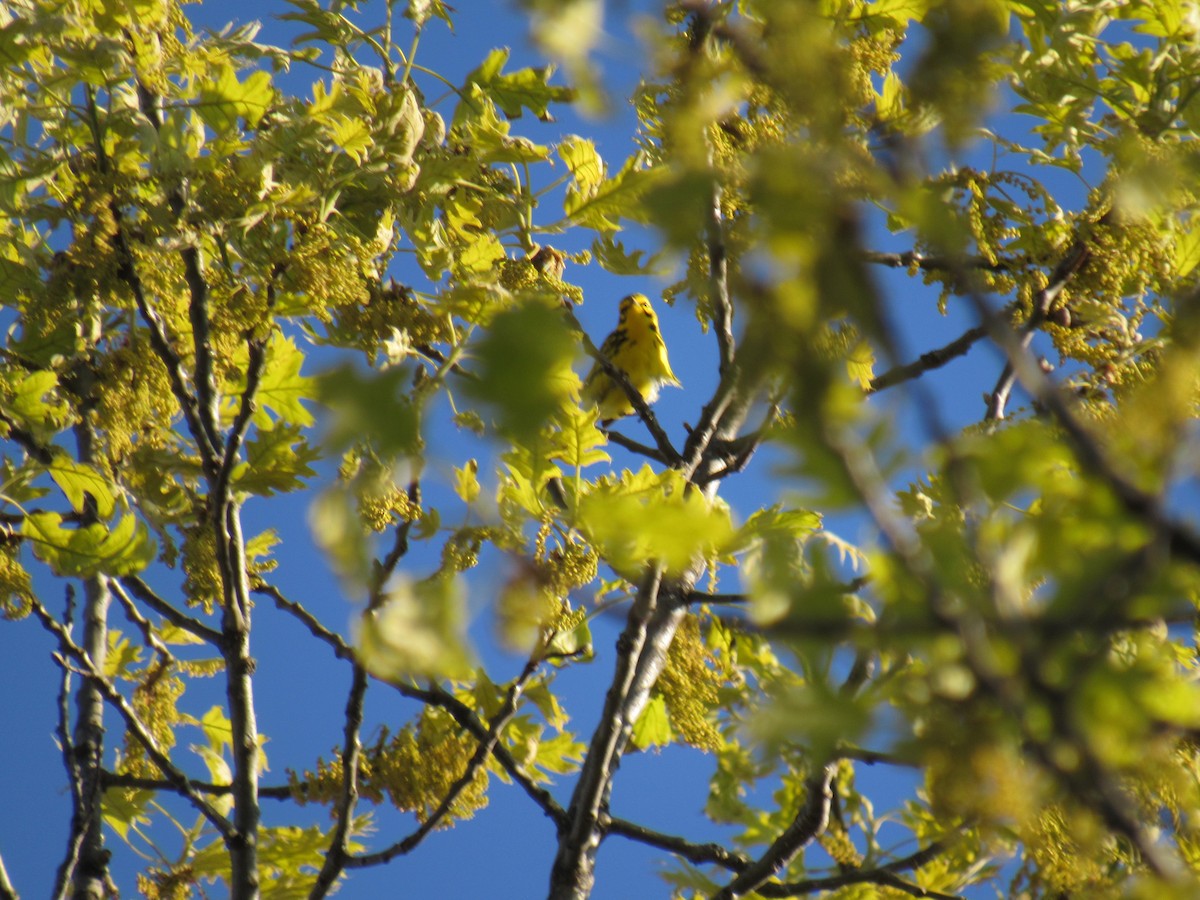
<point x="635" y="347"/>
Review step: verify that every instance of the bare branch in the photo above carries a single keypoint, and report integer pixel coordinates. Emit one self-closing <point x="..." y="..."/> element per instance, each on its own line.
<point x="434" y="695"/>
<point x="810" y="822"/>
<point x="573" y="872"/>
<point x="340" y="648"/>
<point x="338" y="853"/>
<point x="635" y="447"/>
<point x="927" y="362"/>
<point x="1074" y="260"/>
<point x="70" y="758"/>
<point x="137" y="782"/>
<point x="257" y="351"/>
<point x="735" y="455"/>
<point x="134" y="724"/>
<point x="692" y="852"/>
<point x="465" y="716"/>
<point x="28" y="442"/>
<point x="143" y="592"/>
<point x="486" y="746"/>
<point x="911" y="259"/>
<point x="134" y="615"/>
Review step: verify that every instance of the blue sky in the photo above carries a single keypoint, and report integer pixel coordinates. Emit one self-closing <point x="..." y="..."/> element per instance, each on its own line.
<point x="506" y="851"/>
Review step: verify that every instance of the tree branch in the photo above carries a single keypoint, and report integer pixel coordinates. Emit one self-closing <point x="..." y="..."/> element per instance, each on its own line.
<point x="485" y="748"/>
<point x="926" y="362"/>
<point x="635" y="447"/>
<point x="810" y="822"/>
<point x="257" y="356"/>
<point x="143" y="592"/>
<point x="143" y="625"/>
<point x="573" y="873"/>
<point x="31" y="446"/>
<point x="1074" y="260"/>
<point x="66" y="743"/>
<point x="7" y="891"/>
<point x="692" y="852"/>
<point x="87" y="669"/>
<point x="338" y="853"/>
<point x="434" y="696"/>
<point x="910" y="259"/>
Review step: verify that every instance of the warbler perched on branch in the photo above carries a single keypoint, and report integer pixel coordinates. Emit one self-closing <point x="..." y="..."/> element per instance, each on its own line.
<point x="636" y="348"/>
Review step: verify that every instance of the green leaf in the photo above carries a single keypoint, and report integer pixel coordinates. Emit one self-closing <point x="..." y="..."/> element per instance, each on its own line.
<point x="29" y="404"/>
<point x="276" y="461"/>
<point x="282" y="388"/>
<point x="125" y="549"/>
<point x="122" y="809"/>
<point x="653" y="726"/>
<point x="595" y="202"/>
<point x="560" y="754"/>
<point x="224" y="99"/>
<point x="79" y="482"/>
<point x="1187" y="251"/>
<point x="466" y="481"/>
<point x="353" y="136"/>
<point x="613" y="257"/>
<point x="524" y="89"/>
<point x="776" y="522"/>
<point x="575" y="643"/>
<point x="577" y="440"/>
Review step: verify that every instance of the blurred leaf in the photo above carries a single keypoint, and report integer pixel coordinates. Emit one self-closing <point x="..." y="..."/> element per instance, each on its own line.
<point x="418" y="629"/>
<point x="371" y="407"/>
<point x="525" y="369"/>
<point x="646" y="516"/>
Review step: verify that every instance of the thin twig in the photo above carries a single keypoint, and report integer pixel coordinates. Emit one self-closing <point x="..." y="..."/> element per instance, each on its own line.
<point x="910" y="259"/>
<point x="165" y="657"/>
<point x="736" y="454"/>
<point x="143" y="592"/>
<point x="689" y="850"/>
<point x="485" y="748"/>
<point x="132" y="722"/>
<point x="257" y="356"/>
<point x="338" y="854"/>
<point x="142" y="783"/>
<point x="635" y="447"/>
<point x="927" y="362"/>
<point x="35" y="450"/>
<point x="434" y="696"/>
<point x="1074" y="260"/>
<point x="466" y="717"/>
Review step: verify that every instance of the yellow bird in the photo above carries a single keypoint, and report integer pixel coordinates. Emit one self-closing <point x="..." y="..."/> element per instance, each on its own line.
<point x="636" y="348"/>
